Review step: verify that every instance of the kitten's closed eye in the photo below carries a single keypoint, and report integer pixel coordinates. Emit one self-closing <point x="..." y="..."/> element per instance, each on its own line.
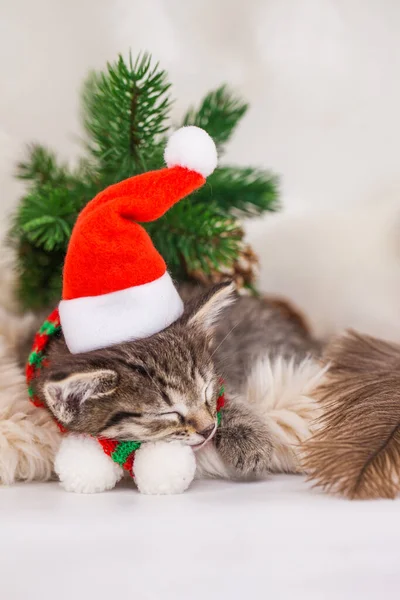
<point x="173" y="414"/>
<point x="121" y="416"/>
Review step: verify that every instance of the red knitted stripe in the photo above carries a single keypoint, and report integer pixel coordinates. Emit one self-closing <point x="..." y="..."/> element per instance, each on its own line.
<point x="128" y="464"/>
<point x="40" y="342"/>
<point x="54" y="318"/>
<point x="30" y="372"/>
<point x="108" y="445"/>
<point x="37" y="402"/>
<point x="220" y="402"/>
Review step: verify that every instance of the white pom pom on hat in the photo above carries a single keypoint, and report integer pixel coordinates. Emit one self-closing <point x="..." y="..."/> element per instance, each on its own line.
<point x="192" y="148"/>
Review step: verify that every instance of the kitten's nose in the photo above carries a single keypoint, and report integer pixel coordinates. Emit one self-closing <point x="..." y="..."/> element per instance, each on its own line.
<point x="207" y="431"/>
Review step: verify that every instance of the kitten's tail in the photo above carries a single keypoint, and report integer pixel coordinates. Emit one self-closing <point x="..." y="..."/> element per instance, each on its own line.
<point x="282" y="392"/>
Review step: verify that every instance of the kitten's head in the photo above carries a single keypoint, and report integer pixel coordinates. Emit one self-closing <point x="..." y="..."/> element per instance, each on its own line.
<point x="160" y="388"/>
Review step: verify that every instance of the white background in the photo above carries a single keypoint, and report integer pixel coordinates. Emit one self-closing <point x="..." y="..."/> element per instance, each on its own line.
<point x="322" y="77"/>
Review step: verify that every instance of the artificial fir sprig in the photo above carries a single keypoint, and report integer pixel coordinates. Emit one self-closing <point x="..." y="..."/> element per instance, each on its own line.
<point x="125" y="113"/>
<point x="243" y="192"/>
<point x="193" y="236"/>
<point x="219" y="113"/>
<point x="42" y="167"/>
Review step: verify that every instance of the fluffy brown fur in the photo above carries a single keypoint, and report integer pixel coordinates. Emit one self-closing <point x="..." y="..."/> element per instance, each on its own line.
<point x="355" y="451"/>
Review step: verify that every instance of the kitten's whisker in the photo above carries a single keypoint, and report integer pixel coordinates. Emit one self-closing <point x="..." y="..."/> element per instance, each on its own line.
<point x="224" y="338"/>
<point x="153" y="380"/>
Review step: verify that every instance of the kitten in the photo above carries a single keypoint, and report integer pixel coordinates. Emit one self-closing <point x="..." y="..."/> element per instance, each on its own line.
<point x="166" y="387"/>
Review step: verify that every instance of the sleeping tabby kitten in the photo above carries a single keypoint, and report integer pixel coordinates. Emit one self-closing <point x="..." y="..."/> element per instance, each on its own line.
<point x="166" y="387"/>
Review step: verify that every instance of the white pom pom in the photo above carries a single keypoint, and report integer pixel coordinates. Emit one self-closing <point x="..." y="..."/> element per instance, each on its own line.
<point x="164" y="467"/>
<point x="84" y="467"/>
<point x="193" y="148"/>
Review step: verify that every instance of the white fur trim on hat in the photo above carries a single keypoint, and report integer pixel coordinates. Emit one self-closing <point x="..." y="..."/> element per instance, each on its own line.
<point x="193" y="148"/>
<point x="97" y="322"/>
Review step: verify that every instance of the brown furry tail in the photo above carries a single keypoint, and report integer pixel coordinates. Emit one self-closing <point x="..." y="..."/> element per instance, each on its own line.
<point x="355" y="450"/>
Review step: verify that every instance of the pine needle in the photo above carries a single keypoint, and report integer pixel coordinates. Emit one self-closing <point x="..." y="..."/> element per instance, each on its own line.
<point x="125" y="110"/>
<point x="219" y="114"/>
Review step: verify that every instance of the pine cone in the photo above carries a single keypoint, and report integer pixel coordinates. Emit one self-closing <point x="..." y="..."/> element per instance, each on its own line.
<point x="243" y="271"/>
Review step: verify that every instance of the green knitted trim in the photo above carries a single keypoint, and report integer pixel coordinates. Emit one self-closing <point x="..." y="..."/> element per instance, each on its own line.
<point x="49" y="328"/>
<point x="30" y="392"/>
<point x="123" y="450"/>
<point x="36" y="358"/>
<point x="219" y="418"/>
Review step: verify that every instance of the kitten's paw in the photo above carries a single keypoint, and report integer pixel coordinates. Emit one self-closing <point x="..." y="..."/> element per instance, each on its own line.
<point x="164" y="468"/>
<point x="247" y="450"/>
<point x="83" y="467"/>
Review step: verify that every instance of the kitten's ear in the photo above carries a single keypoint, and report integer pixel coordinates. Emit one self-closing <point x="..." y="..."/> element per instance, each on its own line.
<point x="65" y="395"/>
<point x="204" y="312"/>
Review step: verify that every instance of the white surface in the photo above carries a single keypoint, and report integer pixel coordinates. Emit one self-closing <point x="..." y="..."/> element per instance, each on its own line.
<point x="273" y="540"/>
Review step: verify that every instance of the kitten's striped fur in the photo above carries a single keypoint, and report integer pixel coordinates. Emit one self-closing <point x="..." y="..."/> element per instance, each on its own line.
<point x="166" y="386"/>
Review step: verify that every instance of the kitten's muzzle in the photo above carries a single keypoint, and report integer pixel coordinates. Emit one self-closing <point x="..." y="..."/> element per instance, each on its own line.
<point x="207" y="434"/>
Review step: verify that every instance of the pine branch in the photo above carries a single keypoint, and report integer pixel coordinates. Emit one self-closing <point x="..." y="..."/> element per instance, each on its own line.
<point x="194" y="236"/>
<point x="41" y="167"/>
<point x="46" y="217"/>
<point x="219" y="113"/>
<point x="47" y="213"/>
<point x="245" y="192"/>
<point x="125" y="111"/>
<point x="40" y="279"/>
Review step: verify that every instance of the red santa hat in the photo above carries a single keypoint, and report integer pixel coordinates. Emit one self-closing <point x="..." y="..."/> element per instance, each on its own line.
<point x="116" y="286"/>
